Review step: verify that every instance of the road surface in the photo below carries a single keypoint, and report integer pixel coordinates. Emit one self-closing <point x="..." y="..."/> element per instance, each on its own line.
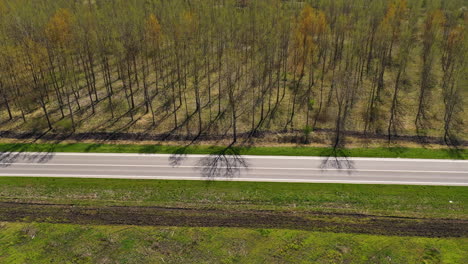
<point x="260" y="168"/>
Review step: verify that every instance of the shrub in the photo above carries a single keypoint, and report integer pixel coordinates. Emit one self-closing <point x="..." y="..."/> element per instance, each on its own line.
<point x="37" y="124"/>
<point x="65" y="125"/>
<point x="307" y="131"/>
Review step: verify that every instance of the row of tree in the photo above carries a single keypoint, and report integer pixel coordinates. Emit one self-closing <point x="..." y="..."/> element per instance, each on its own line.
<point x="212" y="66"/>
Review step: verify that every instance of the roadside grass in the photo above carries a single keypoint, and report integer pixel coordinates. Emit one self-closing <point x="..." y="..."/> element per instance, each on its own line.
<point x="387" y="200"/>
<point x="69" y="243"/>
<point x="380" y="152"/>
<point x="64" y="243"/>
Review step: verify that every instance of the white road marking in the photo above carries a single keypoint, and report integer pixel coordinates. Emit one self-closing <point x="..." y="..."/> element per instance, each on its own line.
<point x="232" y="179"/>
<point x="259" y="175"/>
<point x="244" y="156"/>
<point x="249" y="168"/>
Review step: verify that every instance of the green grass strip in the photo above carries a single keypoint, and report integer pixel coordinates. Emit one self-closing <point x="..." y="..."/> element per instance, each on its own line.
<point x="392" y="152"/>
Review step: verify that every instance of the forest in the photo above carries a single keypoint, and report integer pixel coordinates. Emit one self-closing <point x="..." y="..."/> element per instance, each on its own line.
<point x="200" y="68"/>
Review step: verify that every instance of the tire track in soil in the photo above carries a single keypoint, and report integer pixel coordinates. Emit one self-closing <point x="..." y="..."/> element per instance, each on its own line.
<point x="161" y="216"/>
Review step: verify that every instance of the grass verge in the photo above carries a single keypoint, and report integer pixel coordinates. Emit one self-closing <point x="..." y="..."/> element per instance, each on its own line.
<point x="385" y="200"/>
<point x="391" y="152"/>
<point x="351" y="240"/>
<point x="65" y="243"/>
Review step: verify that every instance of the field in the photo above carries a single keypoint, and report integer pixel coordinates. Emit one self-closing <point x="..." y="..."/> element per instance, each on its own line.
<point x="64" y="243"/>
<point x="148" y="221"/>
<point x="398" y="201"/>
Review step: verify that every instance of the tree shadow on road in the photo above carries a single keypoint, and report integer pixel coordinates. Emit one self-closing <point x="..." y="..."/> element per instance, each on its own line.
<point x="16" y="153"/>
<point x="337" y="158"/>
<point x="225" y="163"/>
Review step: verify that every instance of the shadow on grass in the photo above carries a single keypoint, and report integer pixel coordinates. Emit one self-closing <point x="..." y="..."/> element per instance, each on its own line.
<point x="148" y="149"/>
<point x="92" y="147"/>
<point x="451" y="152"/>
<point x="398" y="151"/>
<point x="455" y="153"/>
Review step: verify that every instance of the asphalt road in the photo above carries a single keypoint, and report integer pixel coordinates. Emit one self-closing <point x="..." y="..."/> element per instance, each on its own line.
<point x="259" y="168"/>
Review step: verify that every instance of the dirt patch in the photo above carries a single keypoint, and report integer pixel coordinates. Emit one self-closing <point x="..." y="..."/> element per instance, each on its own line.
<point x="161" y="216"/>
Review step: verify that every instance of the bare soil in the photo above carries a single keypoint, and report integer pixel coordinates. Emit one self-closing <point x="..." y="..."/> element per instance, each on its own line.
<point x="162" y="216"/>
